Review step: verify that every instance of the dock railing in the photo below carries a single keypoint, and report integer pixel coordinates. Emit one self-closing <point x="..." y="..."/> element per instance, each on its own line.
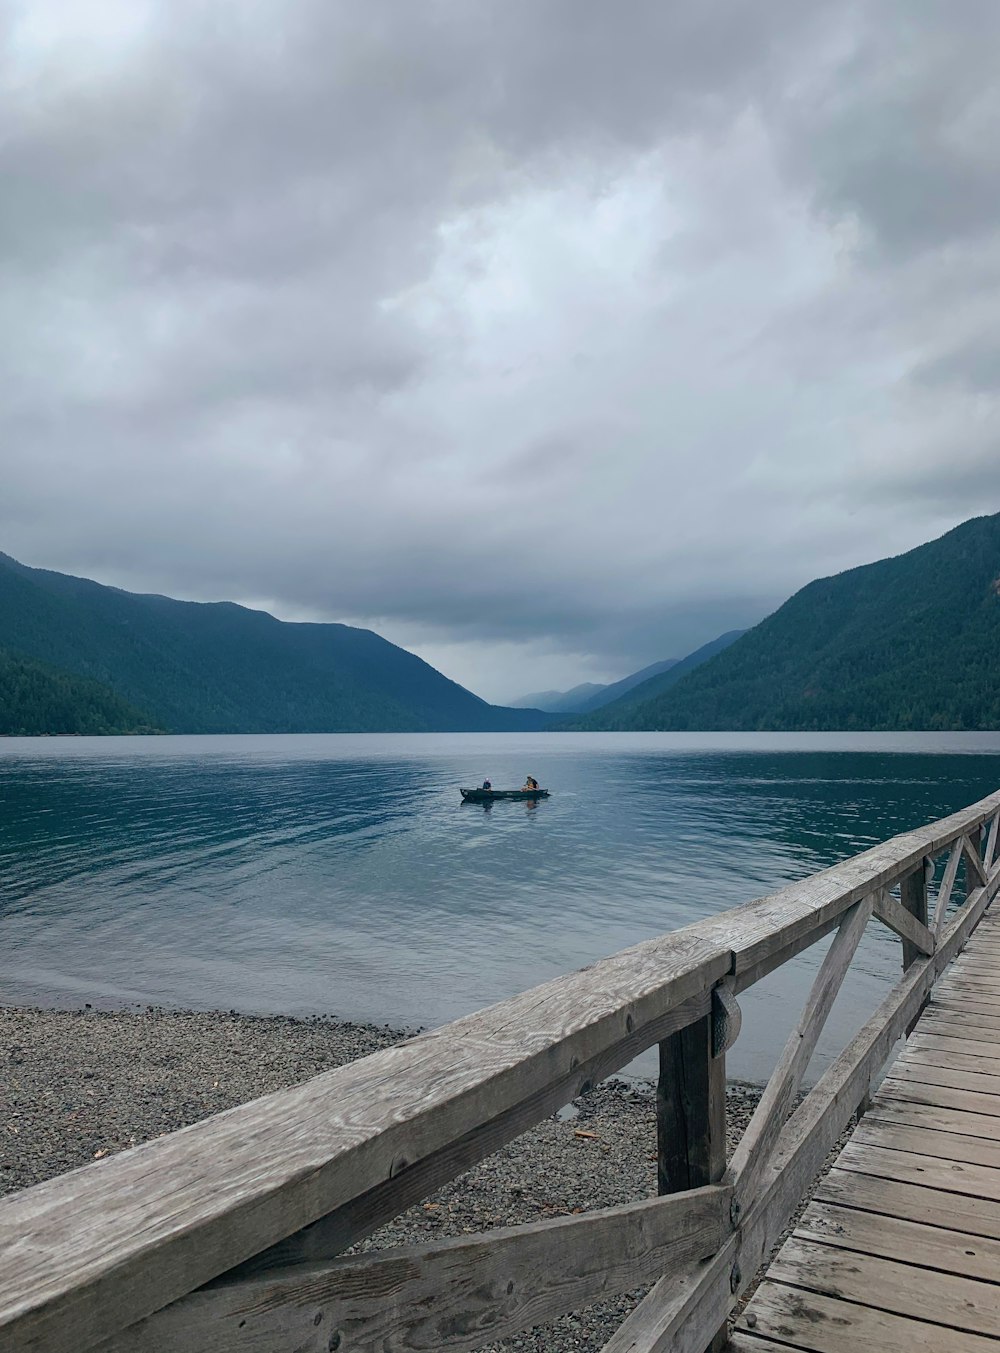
<point x="231" y="1234"/>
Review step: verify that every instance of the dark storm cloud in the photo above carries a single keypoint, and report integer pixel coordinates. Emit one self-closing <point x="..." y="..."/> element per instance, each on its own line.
<point x="569" y="329"/>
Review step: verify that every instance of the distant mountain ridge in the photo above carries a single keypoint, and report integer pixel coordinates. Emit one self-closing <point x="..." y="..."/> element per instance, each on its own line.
<point x="217" y="667"/>
<point x="559" y="702"/>
<point x="590" y="695"/>
<point x="616" y="715"/>
<point x="910" y="642"/>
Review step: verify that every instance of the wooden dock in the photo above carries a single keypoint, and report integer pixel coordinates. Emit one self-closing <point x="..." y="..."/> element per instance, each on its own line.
<point x="245" y="1233"/>
<point x="900" y="1250"/>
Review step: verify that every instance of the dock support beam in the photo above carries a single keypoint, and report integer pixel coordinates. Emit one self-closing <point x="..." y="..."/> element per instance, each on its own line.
<point x="691" y="1117"/>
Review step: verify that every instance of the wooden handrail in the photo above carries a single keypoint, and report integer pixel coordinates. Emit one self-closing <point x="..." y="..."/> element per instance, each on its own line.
<point x="302" y="1174"/>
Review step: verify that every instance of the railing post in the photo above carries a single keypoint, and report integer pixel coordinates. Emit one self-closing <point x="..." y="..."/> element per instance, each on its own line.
<point x="913" y="896"/>
<point x="691" y="1117"/>
<point x="976" y="841"/>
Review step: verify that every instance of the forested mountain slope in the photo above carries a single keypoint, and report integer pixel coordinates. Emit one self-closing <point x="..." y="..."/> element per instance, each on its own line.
<point x="618" y="714"/>
<point x="38" y="699"/>
<point x="908" y="642"/>
<point x="218" y="668"/>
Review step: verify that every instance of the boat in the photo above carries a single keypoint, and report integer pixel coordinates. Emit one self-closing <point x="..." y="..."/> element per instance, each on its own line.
<point x="488" y="795"/>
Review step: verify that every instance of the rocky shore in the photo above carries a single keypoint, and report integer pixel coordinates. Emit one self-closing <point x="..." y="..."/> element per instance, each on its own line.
<point x="76" y="1086"/>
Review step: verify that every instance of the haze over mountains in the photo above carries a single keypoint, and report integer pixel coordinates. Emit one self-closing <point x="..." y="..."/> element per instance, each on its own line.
<point x="193" y="667"/>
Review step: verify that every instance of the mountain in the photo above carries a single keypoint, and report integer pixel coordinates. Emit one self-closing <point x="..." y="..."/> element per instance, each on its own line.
<point x="560" y="702"/>
<point x="619" y="688"/>
<point x="908" y="642"/>
<point x="589" y="695"/>
<point x="197" y="667"/>
<point x="619" y="714"/>
<point x="38" y="699"/>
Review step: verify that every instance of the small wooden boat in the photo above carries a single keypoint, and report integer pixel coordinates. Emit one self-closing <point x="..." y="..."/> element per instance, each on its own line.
<point x="488" y="795"/>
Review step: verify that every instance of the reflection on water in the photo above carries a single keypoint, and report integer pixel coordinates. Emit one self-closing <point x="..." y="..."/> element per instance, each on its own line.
<point x="344" y="875"/>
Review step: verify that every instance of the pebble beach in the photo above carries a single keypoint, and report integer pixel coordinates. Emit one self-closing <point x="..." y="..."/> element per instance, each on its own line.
<point x="77" y="1086"/>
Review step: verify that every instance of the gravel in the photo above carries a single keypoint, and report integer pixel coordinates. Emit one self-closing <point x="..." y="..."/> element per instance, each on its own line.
<point x="76" y="1086"/>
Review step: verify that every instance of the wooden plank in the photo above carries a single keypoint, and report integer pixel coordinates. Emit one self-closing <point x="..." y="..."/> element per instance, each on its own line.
<point x="973" y="1003"/>
<point x="912" y="1202"/>
<point x="917" y="939"/>
<point x="926" y="1141"/>
<point x="886" y="1284"/>
<point x="454" y="1294"/>
<point x="981" y="954"/>
<point x="690" y="1111"/>
<point x="979" y="983"/>
<point x="960" y="994"/>
<point x="976" y="872"/>
<point x="751" y="1155"/>
<point x="942" y="1097"/>
<point x="822" y="1324"/>
<point x="913" y="900"/>
<point x="749" y="1343"/>
<point x="925" y="1115"/>
<point x="977" y="1181"/>
<point x="940" y="1017"/>
<point x="962" y="976"/>
<point x="956" y="1052"/>
<point x="947" y="884"/>
<point x="991" y="841"/>
<point x="928" y="1074"/>
<point x="948" y="1024"/>
<point x="943" y="1250"/>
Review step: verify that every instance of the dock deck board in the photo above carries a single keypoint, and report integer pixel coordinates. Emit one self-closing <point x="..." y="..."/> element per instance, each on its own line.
<point x="900" y="1249"/>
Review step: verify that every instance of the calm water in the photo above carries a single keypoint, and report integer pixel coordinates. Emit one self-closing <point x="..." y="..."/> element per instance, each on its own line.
<point x="341" y="874"/>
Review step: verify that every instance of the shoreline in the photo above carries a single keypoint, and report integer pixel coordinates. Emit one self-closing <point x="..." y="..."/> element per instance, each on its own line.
<point x="83" y="1084"/>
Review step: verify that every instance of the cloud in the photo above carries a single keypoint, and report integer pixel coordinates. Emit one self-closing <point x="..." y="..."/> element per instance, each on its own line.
<point x="561" y="333"/>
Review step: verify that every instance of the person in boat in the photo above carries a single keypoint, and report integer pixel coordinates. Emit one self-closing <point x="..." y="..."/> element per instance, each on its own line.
<point x="529" y="784"/>
<point x="487" y="784"/>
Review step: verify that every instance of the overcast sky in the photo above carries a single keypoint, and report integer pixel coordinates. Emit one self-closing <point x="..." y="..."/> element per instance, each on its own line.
<point x="546" y="337"/>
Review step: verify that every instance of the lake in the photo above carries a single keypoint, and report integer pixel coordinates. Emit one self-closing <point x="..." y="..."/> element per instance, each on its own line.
<point x="342" y="875"/>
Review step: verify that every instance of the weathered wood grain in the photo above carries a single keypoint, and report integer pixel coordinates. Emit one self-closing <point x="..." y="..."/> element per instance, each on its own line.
<point x="913" y="901"/>
<point x="947" y="883"/>
<point x="691" y="1118"/>
<point x="973" y="860"/>
<point x="937" y="1051"/>
<point x="976" y="1181"/>
<point x="941" y="1096"/>
<point x="953" y="1121"/>
<point x="822" y="1324"/>
<point x="454" y="1294"/>
<point x="989" y="851"/>
<point x="925" y="1073"/>
<point x="913" y="1202"/>
<point x="918" y="938"/>
<point x="932" y="1247"/>
<point x="922" y="1140"/>
<point x="961" y="1303"/>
